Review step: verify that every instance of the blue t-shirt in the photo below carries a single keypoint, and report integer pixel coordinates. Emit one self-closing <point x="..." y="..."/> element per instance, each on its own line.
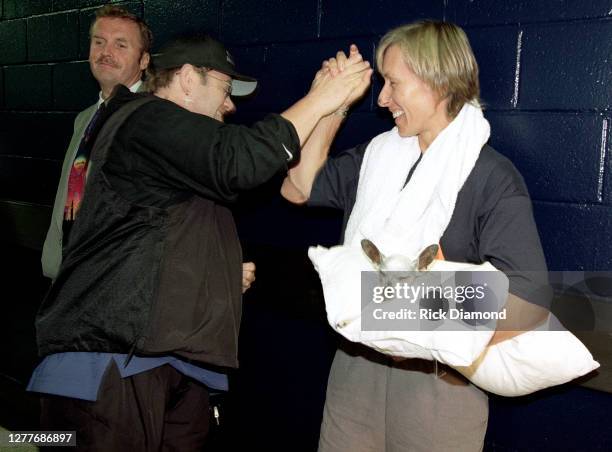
<point x="79" y="374"/>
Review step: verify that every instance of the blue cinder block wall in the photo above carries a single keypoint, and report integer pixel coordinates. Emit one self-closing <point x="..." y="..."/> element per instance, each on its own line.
<point x="546" y="78"/>
<point x="545" y="72"/>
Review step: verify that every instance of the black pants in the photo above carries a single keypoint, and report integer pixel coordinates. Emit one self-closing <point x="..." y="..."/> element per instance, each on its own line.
<point x="158" y="410"/>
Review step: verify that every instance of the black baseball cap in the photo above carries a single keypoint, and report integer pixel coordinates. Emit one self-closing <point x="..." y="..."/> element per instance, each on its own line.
<point x="204" y="51"/>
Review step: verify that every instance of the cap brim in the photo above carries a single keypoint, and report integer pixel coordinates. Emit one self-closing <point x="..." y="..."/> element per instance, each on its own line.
<point x="243" y="88"/>
<point x="242" y="85"/>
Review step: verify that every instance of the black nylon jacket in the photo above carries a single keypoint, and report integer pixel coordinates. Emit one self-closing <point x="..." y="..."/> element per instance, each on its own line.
<point x="153" y="262"/>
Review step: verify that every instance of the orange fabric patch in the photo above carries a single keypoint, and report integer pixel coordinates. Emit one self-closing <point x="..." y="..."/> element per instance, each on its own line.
<point x="440" y="255"/>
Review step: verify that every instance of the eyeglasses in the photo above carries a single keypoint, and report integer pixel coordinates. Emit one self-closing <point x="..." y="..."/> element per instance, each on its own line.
<point x="228" y="84"/>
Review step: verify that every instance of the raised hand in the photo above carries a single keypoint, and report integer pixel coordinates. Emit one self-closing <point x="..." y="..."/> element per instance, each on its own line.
<point x="365" y="81"/>
<point x="340" y="81"/>
<point x="335" y="66"/>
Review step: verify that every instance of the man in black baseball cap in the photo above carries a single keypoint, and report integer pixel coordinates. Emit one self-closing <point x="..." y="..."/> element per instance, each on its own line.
<point x="205" y="61"/>
<point x="151" y="274"/>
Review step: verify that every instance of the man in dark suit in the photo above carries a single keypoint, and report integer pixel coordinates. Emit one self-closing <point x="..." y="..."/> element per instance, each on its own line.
<point x="118" y="54"/>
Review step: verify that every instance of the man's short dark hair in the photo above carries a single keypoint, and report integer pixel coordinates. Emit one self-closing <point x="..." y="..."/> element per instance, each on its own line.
<point x="158" y="78"/>
<point x="161" y="78"/>
<point x="117" y="12"/>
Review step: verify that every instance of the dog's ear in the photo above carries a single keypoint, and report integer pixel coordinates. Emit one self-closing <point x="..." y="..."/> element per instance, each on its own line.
<point x="427" y="256"/>
<point x="371" y="251"/>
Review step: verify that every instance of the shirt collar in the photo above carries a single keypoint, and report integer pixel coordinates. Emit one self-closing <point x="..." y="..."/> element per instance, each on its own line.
<point x="135" y="87"/>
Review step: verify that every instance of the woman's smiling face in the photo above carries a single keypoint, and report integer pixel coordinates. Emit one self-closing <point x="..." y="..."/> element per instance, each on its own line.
<point x="416" y="108"/>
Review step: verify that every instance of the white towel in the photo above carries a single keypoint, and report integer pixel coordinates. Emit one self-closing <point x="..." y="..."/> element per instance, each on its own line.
<point x="405" y="221"/>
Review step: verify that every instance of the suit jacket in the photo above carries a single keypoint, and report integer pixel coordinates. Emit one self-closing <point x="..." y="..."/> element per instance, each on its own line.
<point x="52" y="248"/>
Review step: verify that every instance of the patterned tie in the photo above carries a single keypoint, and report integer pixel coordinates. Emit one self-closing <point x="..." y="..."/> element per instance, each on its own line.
<point x="78" y="172"/>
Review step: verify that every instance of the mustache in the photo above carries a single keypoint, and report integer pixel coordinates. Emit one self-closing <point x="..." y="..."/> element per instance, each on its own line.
<point x="107" y="60"/>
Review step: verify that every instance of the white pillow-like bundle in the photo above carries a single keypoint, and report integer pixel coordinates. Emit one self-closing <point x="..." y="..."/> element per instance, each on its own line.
<point x="444" y="346"/>
<point x="454" y="343"/>
<point x="531" y="361"/>
<point x="527" y="363"/>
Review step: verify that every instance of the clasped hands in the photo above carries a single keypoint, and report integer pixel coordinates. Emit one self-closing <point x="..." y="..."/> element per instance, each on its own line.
<point x="341" y="81"/>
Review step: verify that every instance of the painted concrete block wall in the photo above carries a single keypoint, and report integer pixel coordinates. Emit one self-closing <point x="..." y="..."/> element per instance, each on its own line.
<point x="545" y="76"/>
<point x="545" y="81"/>
<point x="554" y="126"/>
